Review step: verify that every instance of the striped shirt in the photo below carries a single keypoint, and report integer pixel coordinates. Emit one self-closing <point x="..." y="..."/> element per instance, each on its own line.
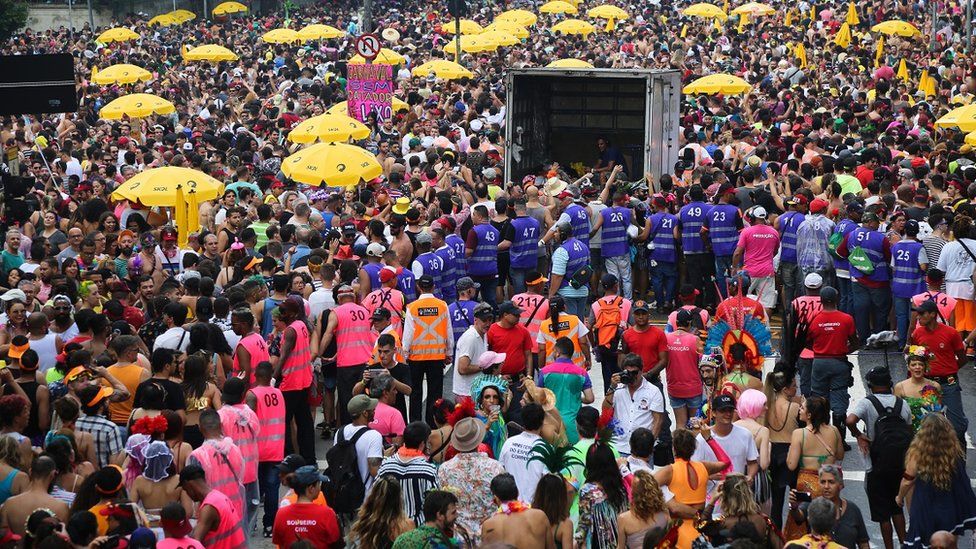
<point x="108" y="441"/>
<point x="417" y="476"/>
<point x="933" y="249"/>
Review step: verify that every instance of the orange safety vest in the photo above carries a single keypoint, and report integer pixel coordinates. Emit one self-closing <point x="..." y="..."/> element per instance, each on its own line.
<point x="397" y="343"/>
<point x="568" y="327"/>
<point x="431" y="329"/>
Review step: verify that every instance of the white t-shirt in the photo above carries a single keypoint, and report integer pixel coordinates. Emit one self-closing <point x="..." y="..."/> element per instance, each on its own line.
<point x="472" y="345"/>
<point x="515" y="459"/>
<point x="738" y="445"/>
<point x="958" y="267"/>
<point x="175" y="338"/>
<point x="865" y="411"/>
<point x="319" y="301"/>
<point x="632" y="465"/>
<point x="370" y="445"/>
<point x="631" y="412"/>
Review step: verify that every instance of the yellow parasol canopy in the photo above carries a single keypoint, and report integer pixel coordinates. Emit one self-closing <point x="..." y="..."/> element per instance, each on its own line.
<point x="519" y="17"/>
<point x="558" y="6"/>
<point x="471" y="43"/>
<point x="165" y="20"/>
<point x="897" y="27"/>
<point x="754" y="8"/>
<point x="963" y="118"/>
<point x="386" y="57"/>
<point x="182" y="15"/>
<point x="570" y="64"/>
<point x="158" y="186"/>
<point x="331" y="164"/>
<point x="708" y="11"/>
<point x="971" y="138"/>
<point x="573" y="26"/>
<point x="852" y="18"/>
<point x="136" y="105"/>
<point x="281" y="36"/>
<point x="607" y="11"/>
<point x="517" y="31"/>
<point x="498" y="38"/>
<point x="443" y="69"/>
<point x="714" y="84"/>
<point x="121" y="74"/>
<point x="342" y="107"/>
<point x="210" y="52"/>
<point x="328" y="128"/>
<point x="118" y="34"/>
<point x="228" y="8"/>
<point x="467" y="27"/>
<point x="843" y="36"/>
<point x="320" y="32"/>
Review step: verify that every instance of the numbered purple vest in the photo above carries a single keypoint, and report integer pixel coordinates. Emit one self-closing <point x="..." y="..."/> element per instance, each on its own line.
<point x="873" y="244"/>
<point x="457" y="244"/>
<point x="722" y="230"/>
<point x="844" y="226"/>
<point x="692" y="217"/>
<point x="406" y="284"/>
<point x="579" y="257"/>
<point x="449" y="273"/>
<point x="524" y="250"/>
<point x="789" y="223"/>
<point x="907" y="280"/>
<point x="580" y="221"/>
<point x="462" y="316"/>
<point x="615" y="223"/>
<point x="434" y="267"/>
<point x="662" y="227"/>
<point x="484" y="260"/>
<point x="373" y="270"/>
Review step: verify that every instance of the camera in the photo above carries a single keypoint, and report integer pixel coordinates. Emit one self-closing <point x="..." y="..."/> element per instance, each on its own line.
<point x="626" y="377"/>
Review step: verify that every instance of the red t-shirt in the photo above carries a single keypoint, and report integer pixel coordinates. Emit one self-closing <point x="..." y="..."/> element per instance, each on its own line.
<point x="829" y="331"/>
<point x="646" y="344"/>
<point x="944" y="342"/>
<point x="513" y="342"/>
<point x="307" y="521"/>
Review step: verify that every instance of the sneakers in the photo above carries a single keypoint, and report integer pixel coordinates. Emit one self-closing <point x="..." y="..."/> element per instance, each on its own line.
<point x="267" y="532"/>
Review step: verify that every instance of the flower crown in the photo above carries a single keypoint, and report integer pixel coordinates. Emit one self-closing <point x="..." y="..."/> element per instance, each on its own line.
<point x="918" y="352"/>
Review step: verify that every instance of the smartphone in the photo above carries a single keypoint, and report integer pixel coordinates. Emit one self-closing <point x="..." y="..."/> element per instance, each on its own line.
<point x="803" y="497"/>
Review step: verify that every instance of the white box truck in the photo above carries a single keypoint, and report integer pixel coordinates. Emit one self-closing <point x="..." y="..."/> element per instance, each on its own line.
<point x="557" y="115"/>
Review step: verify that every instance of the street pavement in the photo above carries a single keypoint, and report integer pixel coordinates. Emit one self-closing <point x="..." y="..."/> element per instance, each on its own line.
<point x="853" y="464"/>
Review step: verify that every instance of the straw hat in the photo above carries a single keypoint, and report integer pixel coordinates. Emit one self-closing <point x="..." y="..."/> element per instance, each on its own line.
<point x="554" y="186"/>
<point x="468" y="434"/>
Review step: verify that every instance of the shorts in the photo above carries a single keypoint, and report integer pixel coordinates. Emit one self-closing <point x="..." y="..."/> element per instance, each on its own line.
<point x="691" y="403"/>
<point x="328" y="376"/>
<point x="764" y="288"/>
<point x="882" y="489"/>
<point x="965" y="315"/>
<point x="596" y="260"/>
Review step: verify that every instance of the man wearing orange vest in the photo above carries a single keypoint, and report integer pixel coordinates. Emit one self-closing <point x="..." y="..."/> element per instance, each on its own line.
<point x="218" y="523"/>
<point x="381" y="319"/>
<point x="387" y="297"/>
<point x="269" y="405"/>
<point x="241" y="424"/>
<point x="428" y="345"/>
<point x="222" y="462"/>
<point x="349" y="324"/>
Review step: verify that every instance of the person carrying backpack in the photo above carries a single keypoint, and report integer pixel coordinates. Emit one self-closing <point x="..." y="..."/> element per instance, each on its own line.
<point x="883" y="443"/>
<point x="354" y="459"/>
<point x="607" y="320"/>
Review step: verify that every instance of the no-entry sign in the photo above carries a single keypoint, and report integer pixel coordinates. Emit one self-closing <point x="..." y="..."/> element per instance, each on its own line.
<point x="368" y="46"/>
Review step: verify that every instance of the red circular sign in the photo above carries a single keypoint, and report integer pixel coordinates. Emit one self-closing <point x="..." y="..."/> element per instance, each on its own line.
<point x="368" y="46"/>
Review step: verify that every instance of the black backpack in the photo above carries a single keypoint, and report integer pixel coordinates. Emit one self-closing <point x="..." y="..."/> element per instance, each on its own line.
<point x="348" y="487"/>
<point x="892" y="435"/>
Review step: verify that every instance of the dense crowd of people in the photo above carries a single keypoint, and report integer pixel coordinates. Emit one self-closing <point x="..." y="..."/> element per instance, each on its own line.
<point x="440" y="326"/>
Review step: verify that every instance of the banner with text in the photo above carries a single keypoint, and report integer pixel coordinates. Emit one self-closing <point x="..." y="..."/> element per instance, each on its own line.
<point x="369" y="89"/>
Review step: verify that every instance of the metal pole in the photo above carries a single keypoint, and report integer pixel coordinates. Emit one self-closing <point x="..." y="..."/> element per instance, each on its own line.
<point x="457" y="39"/>
<point x="71" y="21"/>
<point x="367" y="16"/>
<point x="91" y="16"/>
<point x="934" y="16"/>
<point x="174" y="5"/>
<point x="206" y="14"/>
<point x="969" y="26"/>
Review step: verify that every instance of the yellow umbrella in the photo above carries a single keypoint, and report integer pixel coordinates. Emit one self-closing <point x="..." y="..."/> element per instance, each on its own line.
<point x="467" y="27"/>
<point x="165" y="20"/>
<point x="524" y="18"/>
<point x="331" y="164"/>
<point x="558" y="6"/>
<point x="754" y="9"/>
<point x="717" y="83"/>
<point x="801" y="53"/>
<point x="442" y="68"/>
<point x="228" y="8"/>
<point x="963" y="118"/>
<point x="507" y="27"/>
<point x="328" y="128"/>
<point x="320" y="32"/>
<point x="897" y="27"/>
<point x="192" y="213"/>
<point x="707" y="11"/>
<point x="121" y="74"/>
<point x="971" y="138"/>
<point x="281" y="36"/>
<point x="903" y="71"/>
<point x="182" y="16"/>
<point x="879" y="52"/>
<point x="136" y="105"/>
<point x="209" y="52"/>
<point x="570" y="64"/>
<point x="852" y="18"/>
<point x="607" y="11"/>
<point x="118" y="34"/>
<point x="158" y="186"/>
<point x="471" y="43"/>
<point x="573" y="26"/>
<point x="385" y="57"/>
<point x="179" y="217"/>
<point x="843" y="36"/>
<point x="343" y="107"/>
<point x="498" y="38"/>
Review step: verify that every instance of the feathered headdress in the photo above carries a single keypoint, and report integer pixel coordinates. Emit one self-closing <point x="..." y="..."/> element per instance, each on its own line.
<point x="463" y="409"/>
<point x="555" y="460"/>
<point x="150" y="426"/>
<point x="604" y="426"/>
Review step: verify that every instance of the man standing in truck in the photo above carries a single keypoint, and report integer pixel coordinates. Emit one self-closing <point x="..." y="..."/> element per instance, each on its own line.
<point x="607" y="158"/>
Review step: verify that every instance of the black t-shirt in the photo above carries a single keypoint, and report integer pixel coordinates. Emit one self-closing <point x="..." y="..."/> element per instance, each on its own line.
<point x="507" y="232"/>
<point x="401" y="373"/>
<point x="175" y="399"/>
<point x="850" y="530"/>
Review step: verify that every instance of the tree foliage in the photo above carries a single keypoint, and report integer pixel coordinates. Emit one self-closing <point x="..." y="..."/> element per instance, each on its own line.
<point x="13" y="16"/>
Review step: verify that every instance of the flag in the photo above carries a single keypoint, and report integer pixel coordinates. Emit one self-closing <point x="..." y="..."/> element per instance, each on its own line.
<point x="879" y="53"/>
<point x="903" y="71"/>
<point x="843" y="36"/>
<point x="684" y="30"/>
<point x="789" y="18"/>
<point x="852" y="18"/>
<point x="743" y="21"/>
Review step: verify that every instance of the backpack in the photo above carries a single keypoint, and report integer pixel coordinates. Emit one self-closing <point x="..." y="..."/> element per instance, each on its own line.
<point x="834" y="242"/>
<point x="607" y="323"/>
<point x="892" y="435"/>
<point x="348" y="486"/>
<point x="859" y="259"/>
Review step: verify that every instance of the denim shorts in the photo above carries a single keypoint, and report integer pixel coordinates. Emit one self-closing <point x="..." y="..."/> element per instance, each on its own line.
<point x="691" y="403"/>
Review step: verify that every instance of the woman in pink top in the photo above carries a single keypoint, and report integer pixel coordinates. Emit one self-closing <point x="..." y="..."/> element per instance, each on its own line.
<point x="684" y="383"/>
<point x="757" y="245"/>
<point x="294" y="374"/>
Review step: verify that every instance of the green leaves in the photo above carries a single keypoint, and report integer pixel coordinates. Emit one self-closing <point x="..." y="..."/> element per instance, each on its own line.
<point x="554" y="459"/>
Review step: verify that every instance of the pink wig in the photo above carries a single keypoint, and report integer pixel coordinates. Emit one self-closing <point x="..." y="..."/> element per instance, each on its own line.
<point x="751" y="404"/>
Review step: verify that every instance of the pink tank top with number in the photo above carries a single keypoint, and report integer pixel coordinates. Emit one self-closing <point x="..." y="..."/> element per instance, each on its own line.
<point x="241" y="424"/>
<point x="223" y="464"/>
<point x="229" y="534"/>
<point x="257" y="348"/>
<point x="353" y="343"/>
<point x="271" y="413"/>
<point x="296" y="372"/>
<point x="529" y="303"/>
<point x="807" y="307"/>
<point x="389" y="299"/>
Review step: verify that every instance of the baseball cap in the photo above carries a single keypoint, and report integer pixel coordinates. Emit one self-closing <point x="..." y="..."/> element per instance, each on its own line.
<point x="423" y="237"/>
<point x="868" y="217"/>
<point x="484" y="310"/>
<point x="509" y="307"/>
<point x="375" y="249"/>
<point x="349" y="228"/>
<point x="345" y="289"/>
<point x="15" y="294"/>
<point x="683" y="317"/>
<point x="564" y="194"/>
<point x="466" y="283"/>
<point x="879" y="376"/>
<point x="759" y="212"/>
<point x="813" y="281"/>
<point x="426" y="281"/>
<point x="927" y="306"/>
<point x="387" y="273"/>
<point x="535" y="277"/>
<point x="608" y="280"/>
<point x="290" y="464"/>
<point x="723" y="402"/>
<point x="818" y="205"/>
<point x="490" y="358"/>
<point x="641" y="306"/>
<point x="359" y="404"/>
<point x="381" y="314"/>
<point x="797" y="199"/>
<point x="308" y="475"/>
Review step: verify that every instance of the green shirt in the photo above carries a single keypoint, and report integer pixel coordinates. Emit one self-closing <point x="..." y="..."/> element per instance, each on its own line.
<point x="424" y="537"/>
<point x="11" y="261"/>
<point x="261" y="230"/>
<point x="849" y="184"/>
